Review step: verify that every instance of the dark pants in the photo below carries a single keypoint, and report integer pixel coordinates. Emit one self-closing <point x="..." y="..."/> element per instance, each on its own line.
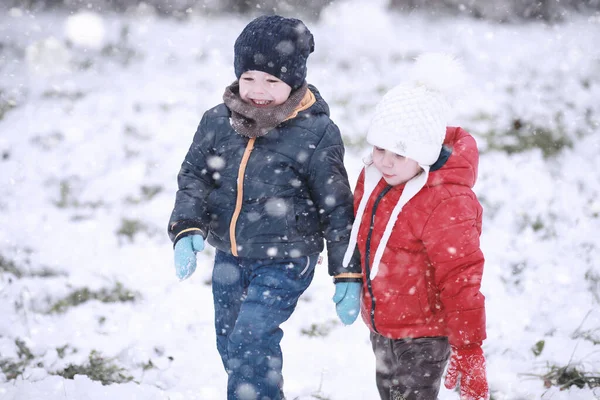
<point x="252" y="299"/>
<point x="409" y="369"/>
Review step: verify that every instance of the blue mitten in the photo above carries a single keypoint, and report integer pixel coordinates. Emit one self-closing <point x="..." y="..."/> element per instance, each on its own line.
<point x="185" y="255"/>
<point x="347" y="301"/>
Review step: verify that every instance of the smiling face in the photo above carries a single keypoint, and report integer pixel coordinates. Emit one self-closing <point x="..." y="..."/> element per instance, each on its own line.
<point x="396" y="169"/>
<point x="263" y="90"/>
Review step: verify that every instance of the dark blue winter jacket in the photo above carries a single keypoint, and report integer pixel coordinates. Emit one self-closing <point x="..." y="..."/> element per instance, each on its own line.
<point x="294" y="192"/>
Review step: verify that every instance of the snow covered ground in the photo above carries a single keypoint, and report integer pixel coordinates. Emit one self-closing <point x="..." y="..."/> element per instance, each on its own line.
<point x="97" y="112"/>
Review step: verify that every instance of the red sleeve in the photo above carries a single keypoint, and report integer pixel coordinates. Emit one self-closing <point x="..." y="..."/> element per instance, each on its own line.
<point x="451" y="238"/>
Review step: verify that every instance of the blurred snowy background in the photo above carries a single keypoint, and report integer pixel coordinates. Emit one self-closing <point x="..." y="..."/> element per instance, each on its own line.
<point x="98" y="105"/>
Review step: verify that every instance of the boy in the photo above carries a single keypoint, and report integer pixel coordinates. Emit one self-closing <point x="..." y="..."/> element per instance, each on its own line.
<point x="264" y="183"/>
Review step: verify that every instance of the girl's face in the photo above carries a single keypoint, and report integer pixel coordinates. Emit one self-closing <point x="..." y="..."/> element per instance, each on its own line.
<point x="396" y="169"/>
<point x="263" y="90"/>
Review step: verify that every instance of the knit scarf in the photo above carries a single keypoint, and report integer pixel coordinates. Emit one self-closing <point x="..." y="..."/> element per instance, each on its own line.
<point x="251" y="121"/>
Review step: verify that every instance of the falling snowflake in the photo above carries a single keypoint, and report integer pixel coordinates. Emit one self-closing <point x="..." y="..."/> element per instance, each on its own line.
<point x="276" y="207"/>
<point x="216" y="162"/>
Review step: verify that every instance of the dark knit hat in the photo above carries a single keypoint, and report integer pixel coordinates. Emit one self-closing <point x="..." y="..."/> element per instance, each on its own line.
<point x="276" y="45"/>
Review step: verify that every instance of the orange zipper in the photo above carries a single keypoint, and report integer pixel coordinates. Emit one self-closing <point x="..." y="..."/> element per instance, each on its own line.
<point x="240" y="195"/>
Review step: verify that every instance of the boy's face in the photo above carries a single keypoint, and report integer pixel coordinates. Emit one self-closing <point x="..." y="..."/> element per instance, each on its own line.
<point x="263" y="90"/>
<point x="395" y="168"/>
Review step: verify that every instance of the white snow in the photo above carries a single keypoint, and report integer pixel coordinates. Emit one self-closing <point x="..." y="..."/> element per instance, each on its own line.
<point x="88" y="165"/>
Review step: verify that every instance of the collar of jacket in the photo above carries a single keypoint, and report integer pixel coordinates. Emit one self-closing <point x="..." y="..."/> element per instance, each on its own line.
<point x="444" y="155"/>
<point x="251" y="121"/>
<point x="307" y="101"/>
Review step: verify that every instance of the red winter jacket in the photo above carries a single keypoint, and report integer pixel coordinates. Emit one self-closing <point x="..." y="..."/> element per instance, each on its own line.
<point x="430" y="273"/>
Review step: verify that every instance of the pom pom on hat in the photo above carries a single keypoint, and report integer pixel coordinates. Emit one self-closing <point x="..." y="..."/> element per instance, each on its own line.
<point x="439" y="72"/>
<point x="411" y="118"/>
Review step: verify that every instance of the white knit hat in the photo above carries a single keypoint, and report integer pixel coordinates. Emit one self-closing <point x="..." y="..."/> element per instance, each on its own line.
<point x="410" y="120"/>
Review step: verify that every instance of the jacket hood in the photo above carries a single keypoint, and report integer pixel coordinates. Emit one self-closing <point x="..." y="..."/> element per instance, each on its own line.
<point x="462" y="165"/>
<point x="320" y="106"/>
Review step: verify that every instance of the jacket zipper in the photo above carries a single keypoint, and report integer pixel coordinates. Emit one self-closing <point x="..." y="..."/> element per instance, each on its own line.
<point x="240" y="195"/>
<point x="368" y="254"/>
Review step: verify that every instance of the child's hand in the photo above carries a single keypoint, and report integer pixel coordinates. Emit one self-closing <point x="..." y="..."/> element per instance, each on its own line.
<point x="347" y="301"/>
<point x="185" y="255"/>
<point x="468" y="366"/>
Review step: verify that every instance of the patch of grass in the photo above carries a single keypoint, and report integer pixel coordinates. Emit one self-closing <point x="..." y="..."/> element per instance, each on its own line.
<point x="46" y="272"/>
<point x="523" y="136"/>
<point x="591" y="335"/>
<point x="491" y="208"/>
<point x="535" y="223"/>
<point x="382" y="89"/>
<point x="358" y="142"/>
<point x="122" y="51"/>
<point x="55" y="93"/>
<point x="130" y="227"/>
<point x="541" y="225"/>
<point x="118" y="294"/>
<point x="13" y="369"/>
<point x="147" y="193"/>
<point x="98" y="368"/>
<point x="64" y="197"/>
<point x="147" y="365"/>
<point x="9" y="266"/>
<point x="67" y="199"/>
<point x="513" y="281"/>
<point x="319" y="396"/>
<point x="62" y="351"/>
<point x="319" y="330"/>
<point x="568" y="376"/>
<point x="538" y="347"/>
<point x="7" y="103"/>
<point x="48" y="141"/>
<point x="135" y="133"/>
<point x="593" y="278"/>
<point x="24" y="352"/>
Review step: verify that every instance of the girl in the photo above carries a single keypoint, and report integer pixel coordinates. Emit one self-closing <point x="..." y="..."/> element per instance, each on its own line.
<point x="417" y="228"/>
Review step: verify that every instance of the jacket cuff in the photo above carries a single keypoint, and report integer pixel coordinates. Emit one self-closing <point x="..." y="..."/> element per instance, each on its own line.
<point x="181" y="229"/>
<point x="348" y="277"/>
<point x="335" y="263"/>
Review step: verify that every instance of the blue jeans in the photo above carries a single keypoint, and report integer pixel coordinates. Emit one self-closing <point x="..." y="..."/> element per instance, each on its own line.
<point x="252" y="298"/>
